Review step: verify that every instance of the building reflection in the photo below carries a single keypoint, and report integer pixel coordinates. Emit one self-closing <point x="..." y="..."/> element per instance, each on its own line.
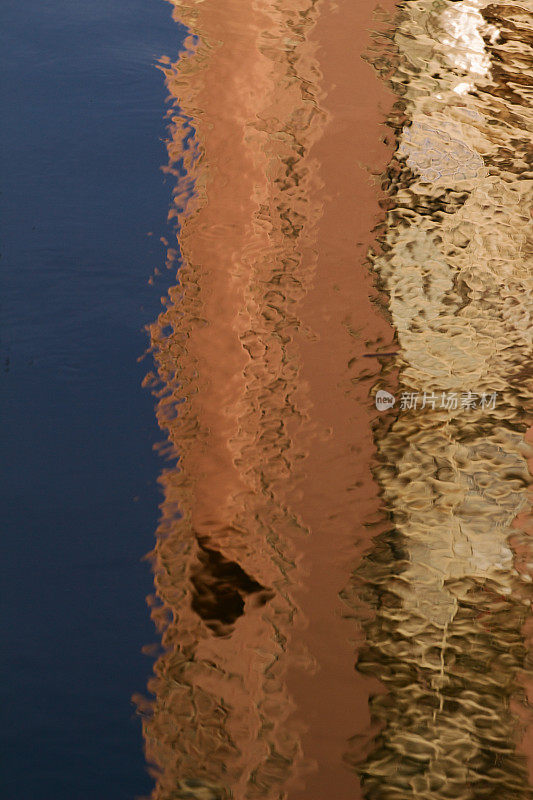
<point x="449" y="586"/>
<point x="266" y="353"/>
<point x="244" y="116"/>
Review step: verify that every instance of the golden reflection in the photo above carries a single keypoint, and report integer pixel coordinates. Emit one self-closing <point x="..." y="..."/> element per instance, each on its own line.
<point x="451" y="594"/>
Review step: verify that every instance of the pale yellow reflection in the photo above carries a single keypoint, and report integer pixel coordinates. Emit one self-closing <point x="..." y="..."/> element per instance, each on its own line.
<point x="448" y="639"/>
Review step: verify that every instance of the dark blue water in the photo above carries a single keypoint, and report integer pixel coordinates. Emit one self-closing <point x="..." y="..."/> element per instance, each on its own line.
<point x="82" y="130"/>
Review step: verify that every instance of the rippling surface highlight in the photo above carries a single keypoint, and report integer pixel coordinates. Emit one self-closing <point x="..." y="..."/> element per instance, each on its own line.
<point x="303" y="531"/>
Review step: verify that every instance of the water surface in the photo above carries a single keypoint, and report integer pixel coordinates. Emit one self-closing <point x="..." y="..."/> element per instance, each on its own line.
<point x="341" y="594"/>
<point x="82" y="124"/>
<point x="303" y="533"/>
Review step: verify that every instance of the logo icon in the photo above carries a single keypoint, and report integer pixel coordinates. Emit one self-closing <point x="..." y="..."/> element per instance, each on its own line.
<point x="384" y="400"/>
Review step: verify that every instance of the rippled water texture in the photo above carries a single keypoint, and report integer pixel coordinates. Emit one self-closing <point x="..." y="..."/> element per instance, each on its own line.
<point x="302" y="532"/>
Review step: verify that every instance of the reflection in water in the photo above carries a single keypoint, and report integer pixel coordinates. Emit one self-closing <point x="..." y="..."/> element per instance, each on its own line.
<point x="262" y="385"/>
<point x="223" y="561"/>
<point x="447" y="639"/>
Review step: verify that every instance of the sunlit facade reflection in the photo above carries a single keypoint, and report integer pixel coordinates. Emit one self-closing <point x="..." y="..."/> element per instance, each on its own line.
<point x="451" y="594"/>
<point x="302" y="530"/>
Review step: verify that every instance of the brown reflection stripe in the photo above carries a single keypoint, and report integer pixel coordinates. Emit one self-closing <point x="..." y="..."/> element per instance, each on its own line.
<point x="376" y="355"/>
